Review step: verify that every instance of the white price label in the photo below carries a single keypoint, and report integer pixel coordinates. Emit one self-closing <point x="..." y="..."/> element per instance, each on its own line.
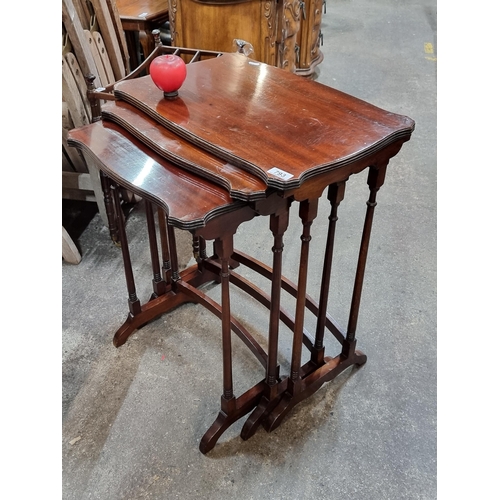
<point x="280" y="173"/>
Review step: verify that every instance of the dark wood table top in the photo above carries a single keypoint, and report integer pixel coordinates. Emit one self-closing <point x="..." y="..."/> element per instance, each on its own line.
<point x="142" y="10"/>
<point x="277" y="126"/>
<point x="240" y="184"/>
<point x="189" y="200"/>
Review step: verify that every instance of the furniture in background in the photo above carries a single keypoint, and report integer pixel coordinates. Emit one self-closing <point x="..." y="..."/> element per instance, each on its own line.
<point x="309" y="37"/>
<point x="284" y="33"/>
<point x="93" y="42"/>
<point x="139" y="18"/>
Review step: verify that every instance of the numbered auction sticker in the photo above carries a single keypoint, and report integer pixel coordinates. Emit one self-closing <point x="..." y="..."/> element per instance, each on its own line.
<point x="280" y="173"/>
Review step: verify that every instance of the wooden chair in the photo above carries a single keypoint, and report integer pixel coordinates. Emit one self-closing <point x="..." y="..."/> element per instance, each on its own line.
<point x="92" y="43"/>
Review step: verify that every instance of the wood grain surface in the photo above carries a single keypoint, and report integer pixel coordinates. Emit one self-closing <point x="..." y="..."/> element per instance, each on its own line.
<point x="134" y="166"/>
<point x="239" y="183"/>
<point x="261" y="118"/>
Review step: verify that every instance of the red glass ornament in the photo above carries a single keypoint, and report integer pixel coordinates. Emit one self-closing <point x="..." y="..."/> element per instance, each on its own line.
<point x="168" y="73"/>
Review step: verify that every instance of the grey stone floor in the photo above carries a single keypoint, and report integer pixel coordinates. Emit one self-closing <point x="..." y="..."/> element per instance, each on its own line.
<point x="133" y="416"/>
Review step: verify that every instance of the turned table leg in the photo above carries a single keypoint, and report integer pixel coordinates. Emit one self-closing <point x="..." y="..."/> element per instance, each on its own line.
<point x="278" y="225"/>
<point x="335" y="196"/>
<point x="328" y="368"/>
<point x="376" y="178"/>
<point x="307" y="213"/>
<point x="133" y="302"/>
<point x="111" y="210"/>
<point x="173" y="253"/>
<point x="159" y="284"/>
<point x="163" y="298"/>
<point x="224" y="249"/>
<point x="165" y="250"/>
<point x="232" y="409"/>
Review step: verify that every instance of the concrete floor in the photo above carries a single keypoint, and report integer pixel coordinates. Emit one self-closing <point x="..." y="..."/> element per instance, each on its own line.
<point x="133" y="416"/>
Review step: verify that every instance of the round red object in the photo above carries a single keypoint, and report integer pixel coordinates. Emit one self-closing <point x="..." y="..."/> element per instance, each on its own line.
<point x="168" y="73"/>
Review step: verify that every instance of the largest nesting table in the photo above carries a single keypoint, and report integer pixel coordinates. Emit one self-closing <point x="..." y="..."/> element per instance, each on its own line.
<point x="243" y="139"/>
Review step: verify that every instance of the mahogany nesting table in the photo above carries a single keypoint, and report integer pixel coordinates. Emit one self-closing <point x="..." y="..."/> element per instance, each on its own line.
<point x="249" y="140"/>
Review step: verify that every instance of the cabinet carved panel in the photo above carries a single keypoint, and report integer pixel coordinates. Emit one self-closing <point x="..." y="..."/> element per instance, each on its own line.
<point x="273" y="27"/>
<point x="309" y="37"/>
<point x="291" y="12"/>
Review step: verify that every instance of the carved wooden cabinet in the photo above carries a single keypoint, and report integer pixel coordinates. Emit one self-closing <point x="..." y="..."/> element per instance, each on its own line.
<point x="309" y="37"/>
<point x="284" y="33"/>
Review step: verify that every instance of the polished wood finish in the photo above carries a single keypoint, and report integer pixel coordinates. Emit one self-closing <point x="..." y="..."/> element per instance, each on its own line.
<point x="234" y="110"/>
<point x="230" y="104"/>
<point x="96" y="93"/>
<point x="130" y="163"/>
<point x="237" y="182"/>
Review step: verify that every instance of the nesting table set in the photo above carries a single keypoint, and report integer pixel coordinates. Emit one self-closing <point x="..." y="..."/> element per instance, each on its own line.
<point x="242" y="139"/>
